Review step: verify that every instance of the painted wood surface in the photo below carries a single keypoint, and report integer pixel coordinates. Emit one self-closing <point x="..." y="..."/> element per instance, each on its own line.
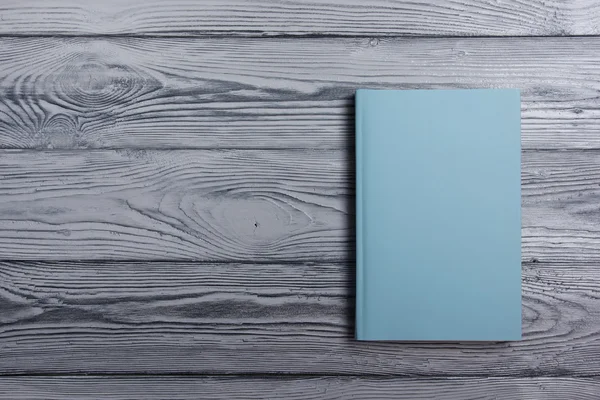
<point x="246" y="205"/>
<point x="236" y="388"/>
<point x="299" y="17"/>
<point x="207" y="205"/>
<point x="179" y="223"/>
<point x="225" y="318"/>
<point x="81" y="93"/>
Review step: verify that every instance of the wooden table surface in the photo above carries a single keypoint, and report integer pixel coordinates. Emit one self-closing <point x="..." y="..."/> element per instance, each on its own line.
<point x="177" y="196"/>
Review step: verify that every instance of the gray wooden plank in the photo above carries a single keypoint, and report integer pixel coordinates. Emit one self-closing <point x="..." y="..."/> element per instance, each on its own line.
<point x="246" y="205"/>
<point x="231" y="388"/>
<point x="298" y="17"/>
<point x="560" y="206"/>
<point x="274" y="93"/>
<point x="192" y="318"/>
<point x="205" y="204"/>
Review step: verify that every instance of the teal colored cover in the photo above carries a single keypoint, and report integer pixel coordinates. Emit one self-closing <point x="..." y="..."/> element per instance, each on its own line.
<point x="438" y="215"/>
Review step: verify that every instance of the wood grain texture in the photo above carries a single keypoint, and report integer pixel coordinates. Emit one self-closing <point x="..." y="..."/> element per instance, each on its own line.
<point x="66" y="93"/>
<point x="202" y="318"/>
<point x="246" y="205"/>
<point x="209" y="205"/>
<point x="298" y="17"/>
<point x="184" y="388"/>
<point x="560" y="206"/>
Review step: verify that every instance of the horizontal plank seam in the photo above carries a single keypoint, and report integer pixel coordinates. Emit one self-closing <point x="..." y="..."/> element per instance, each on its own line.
<point x="263" y="35"/>
<point x="307" y="263"/>
<point x="180" y="261"/>
<point x="559" y="150"/>
<point x="281" y="376"/>
<point x="166" y="148"/>
<point x="251" y="149"/>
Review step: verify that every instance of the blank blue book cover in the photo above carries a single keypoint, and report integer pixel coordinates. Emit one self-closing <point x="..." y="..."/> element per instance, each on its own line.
<point x="438" y="215"/>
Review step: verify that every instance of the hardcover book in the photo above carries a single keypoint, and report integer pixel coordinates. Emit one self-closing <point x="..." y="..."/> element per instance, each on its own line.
<point x="438" y="215"/>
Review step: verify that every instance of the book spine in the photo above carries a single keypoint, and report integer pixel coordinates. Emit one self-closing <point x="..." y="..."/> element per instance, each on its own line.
<point x="360" y="289"/>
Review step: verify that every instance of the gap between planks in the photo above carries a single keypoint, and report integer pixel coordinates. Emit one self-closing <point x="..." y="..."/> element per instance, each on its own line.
<point x="205" y="36"/>
<point x="284" y="375"/>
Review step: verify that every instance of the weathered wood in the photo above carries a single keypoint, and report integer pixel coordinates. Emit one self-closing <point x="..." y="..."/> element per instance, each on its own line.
<point x="210" y="205"/>
<point x="285" y="17"/>
<point x="274" y="93"/>
<point x="183" y="388"/>
<point x="246" y="205"/>
<point x="74" y="317"/>
<point x="560" y="206"/>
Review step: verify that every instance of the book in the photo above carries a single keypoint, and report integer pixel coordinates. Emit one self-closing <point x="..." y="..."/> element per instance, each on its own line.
<point x="438" y="215"/>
